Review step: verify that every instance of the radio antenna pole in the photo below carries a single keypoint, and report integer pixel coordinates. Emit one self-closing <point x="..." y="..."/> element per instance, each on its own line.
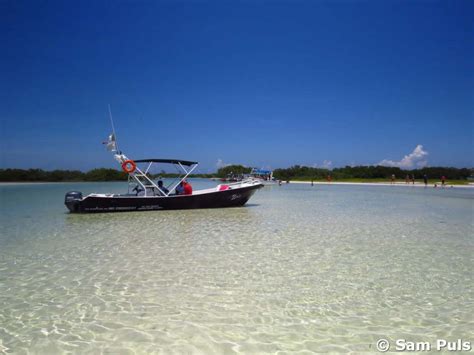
<point x="113" y="129"/>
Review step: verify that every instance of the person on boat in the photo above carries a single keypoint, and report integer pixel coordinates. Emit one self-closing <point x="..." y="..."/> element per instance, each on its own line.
<point x="137" y="189"/>
<point x="162" y="188"/>
<point x="180" y="189"/>
<point x="188" y="189"/>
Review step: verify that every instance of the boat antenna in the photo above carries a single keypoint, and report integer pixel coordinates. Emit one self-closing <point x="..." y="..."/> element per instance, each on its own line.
<point x="113" y="130"/>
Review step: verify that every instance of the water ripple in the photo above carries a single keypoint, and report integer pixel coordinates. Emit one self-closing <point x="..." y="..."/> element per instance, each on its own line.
<point x="326" y="269"/>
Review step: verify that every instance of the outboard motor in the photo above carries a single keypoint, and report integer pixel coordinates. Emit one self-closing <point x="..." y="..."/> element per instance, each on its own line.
<point x="72" y="200"/>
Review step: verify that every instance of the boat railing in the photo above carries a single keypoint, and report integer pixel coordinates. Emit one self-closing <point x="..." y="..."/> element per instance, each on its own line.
<point x="147" y="184"/>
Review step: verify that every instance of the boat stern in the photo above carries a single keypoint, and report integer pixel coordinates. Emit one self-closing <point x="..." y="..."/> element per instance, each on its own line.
<point x="73" y="200"/>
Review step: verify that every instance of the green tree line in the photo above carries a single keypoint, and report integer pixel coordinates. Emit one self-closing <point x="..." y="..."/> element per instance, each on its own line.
<point x="369" y="172"/>
<point x="101" y="174"/>
<point x="39" y="175"/>
<point x="233" y="170"/>
<point x="294" y="172"/>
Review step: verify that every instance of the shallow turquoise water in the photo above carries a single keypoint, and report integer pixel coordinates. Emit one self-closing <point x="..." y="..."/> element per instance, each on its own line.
<point x="323" y="268"/>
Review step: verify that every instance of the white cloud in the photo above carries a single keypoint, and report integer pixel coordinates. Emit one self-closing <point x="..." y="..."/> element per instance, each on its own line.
<point x="327" y="164"/>
<point x="220" y="164"/>
<point x="414" y="159"/>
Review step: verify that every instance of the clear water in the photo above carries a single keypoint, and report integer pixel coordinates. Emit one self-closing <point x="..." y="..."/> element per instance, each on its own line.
<point x="323" y="268"/>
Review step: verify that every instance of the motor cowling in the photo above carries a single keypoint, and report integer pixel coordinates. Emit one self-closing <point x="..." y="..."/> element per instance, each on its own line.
<point x="73" y="195"/>
<point x="72" y="200"/>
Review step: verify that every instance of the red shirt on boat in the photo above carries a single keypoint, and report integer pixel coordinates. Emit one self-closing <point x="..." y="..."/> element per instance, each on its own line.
<point x="188" y="189"/>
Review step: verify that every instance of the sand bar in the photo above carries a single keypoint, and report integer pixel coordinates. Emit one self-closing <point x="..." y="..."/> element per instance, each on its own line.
<point x="417" y="184"/>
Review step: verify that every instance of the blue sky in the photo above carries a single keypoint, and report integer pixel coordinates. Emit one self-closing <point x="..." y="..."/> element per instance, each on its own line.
<point x="261" y="83"/>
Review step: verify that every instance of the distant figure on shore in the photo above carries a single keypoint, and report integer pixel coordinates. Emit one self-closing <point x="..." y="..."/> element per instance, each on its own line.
<point x="413" y="179"/>
<point x="279" y="182"/>
<point x="443" y="180"/>
<point x="329" y="178"/>
<point x="392" y="179"/>
<point x="312" y="183"/>
<point x="407" y="179"/>
<point x="425" y="180"/>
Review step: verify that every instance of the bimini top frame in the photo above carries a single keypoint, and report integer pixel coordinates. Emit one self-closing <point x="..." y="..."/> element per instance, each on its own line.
<point x="142" y="178"/>
<point x="167" y="161"/>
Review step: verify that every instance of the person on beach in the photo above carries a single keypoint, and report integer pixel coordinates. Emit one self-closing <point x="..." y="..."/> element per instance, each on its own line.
<point x="413" y="179"/>
<point x="443" y="181"/>
<point x="392" y="181"/>
<point x="407" y="179"/>
<point x="312" y="183"/>
<point x="425" y="180"/>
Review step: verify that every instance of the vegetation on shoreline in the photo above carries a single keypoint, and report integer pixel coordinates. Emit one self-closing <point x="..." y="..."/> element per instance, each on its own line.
<point x="233" y="170"/>
<point x="102" y="174"/>
<point x="39" y="175"/>
<point x="372" y="173"/>
<point x="298" y="173"/>
<point x="385" y="181"/>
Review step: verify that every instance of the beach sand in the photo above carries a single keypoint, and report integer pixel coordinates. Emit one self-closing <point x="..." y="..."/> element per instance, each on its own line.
<point x="417" y="184"/>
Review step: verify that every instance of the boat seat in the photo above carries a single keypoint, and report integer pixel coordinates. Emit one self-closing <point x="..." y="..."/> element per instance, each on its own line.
<point x="223" y="187"/>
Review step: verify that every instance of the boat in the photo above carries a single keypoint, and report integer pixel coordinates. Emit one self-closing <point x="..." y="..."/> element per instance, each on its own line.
<point x="261" y="175"/>
<point x="233" y="178"/>
<point x="146" y="194"/>
<point x="264" y="176"/>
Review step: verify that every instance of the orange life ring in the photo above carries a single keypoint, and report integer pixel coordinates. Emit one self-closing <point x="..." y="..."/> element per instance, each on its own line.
<point x="129" y="169"/>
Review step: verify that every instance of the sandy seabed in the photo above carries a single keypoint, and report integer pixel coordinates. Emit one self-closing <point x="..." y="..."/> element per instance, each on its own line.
<point x="383" y="184"/>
